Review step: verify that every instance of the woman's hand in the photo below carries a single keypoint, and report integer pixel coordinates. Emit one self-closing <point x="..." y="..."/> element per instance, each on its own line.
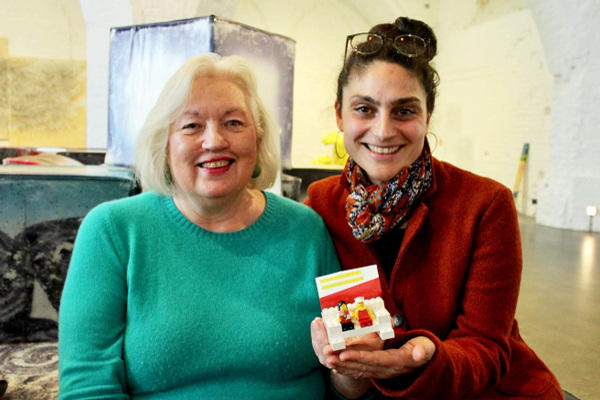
<point x="327" y="356"/>
<point x="384" y="364"/>
<point x="364" y="357"/>
<point x="320" y="343"/>
<point x="348" y="386"/>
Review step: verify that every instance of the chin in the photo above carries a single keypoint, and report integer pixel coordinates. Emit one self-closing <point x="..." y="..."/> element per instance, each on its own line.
<point x="219" y="192"/>
<point x="384" y="176"/>
<point x="215" y="194"/>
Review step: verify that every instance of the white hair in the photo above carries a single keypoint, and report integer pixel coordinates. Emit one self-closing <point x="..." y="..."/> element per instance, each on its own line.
<point x="151" y="168"/>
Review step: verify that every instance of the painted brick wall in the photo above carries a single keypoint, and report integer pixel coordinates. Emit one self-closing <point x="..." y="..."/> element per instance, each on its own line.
<point x="495" y="94"/>
<point x="570" y="37"/>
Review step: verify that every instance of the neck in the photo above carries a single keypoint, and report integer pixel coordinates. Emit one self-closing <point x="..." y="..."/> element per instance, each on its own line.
<point x="222" y="214"/>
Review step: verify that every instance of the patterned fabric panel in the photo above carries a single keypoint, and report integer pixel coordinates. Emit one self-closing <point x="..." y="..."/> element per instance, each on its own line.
<point x="39" y="254"/>
<point x="16" y="284"/>
<point x="31" y="370"/>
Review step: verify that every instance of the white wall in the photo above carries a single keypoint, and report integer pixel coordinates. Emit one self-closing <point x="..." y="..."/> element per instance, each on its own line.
<point x="43" y="29"/>
<point x="570" y="37"/>
<point x="99" y="18"/>
<point x="495" y="93"/>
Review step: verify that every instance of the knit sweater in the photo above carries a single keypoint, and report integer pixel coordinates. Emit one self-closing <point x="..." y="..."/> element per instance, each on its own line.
<point x="154" y="307"/>
<point x="455" y="280"/>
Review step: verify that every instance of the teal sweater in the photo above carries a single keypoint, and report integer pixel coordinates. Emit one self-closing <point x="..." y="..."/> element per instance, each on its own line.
<point x="155" y="307"/>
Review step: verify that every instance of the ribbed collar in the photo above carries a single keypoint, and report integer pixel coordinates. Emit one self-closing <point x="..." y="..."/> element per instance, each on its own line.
<point x="257" y="228"/>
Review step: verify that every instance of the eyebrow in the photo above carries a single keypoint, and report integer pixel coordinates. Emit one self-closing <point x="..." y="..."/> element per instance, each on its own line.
<point x="405" y="100"/>
<point x="190" y="112"/>
<point x="228" y="111"/>
<point x="234" y="110"/>
<point x="397" y="102"/>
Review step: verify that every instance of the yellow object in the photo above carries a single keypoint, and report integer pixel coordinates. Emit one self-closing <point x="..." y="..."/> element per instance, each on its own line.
<point x="330" y="138"/>
<point x="360" y="305"/>
<point x="337" y="140"/>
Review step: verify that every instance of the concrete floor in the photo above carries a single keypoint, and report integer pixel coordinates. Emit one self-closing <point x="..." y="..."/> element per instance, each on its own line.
<point x="559" y="305"/>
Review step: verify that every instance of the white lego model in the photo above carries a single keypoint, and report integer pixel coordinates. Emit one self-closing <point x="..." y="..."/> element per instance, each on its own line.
<point x="344" y="320"/>
<point x="381" y="323"/>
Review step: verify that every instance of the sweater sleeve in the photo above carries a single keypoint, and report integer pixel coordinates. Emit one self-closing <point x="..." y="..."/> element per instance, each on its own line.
<point x="92" y="314"/>
<point x="475" y="355"/>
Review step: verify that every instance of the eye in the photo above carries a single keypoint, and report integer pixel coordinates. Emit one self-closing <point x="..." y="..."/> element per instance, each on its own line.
<point x="363" y="110"/>
<point x="191" y="125"/>
<point x="406" y="113"/>
<point x="235" y="123"/>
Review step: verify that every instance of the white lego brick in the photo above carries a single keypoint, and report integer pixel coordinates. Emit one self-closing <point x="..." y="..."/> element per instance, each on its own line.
<point x="382" y="324"/>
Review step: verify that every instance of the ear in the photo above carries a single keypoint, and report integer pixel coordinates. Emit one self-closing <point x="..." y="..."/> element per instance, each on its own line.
<point x="428" y="118"/>
<point x="338" y="116"/>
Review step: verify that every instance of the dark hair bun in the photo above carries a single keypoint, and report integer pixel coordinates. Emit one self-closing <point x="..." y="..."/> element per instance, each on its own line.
<point x="418" y="28"/>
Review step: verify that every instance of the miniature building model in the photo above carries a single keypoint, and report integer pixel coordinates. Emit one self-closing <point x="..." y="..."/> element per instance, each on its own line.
<point x="358" y="284"/>
<point x="382" y="324"/>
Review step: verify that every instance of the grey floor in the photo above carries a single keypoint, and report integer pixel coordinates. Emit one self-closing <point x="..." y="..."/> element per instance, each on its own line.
<point x="559" y="305"/>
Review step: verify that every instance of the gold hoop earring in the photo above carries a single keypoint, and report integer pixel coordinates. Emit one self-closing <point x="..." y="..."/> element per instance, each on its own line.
<point x="436" y="140"/>
<point x="335" y="146"/>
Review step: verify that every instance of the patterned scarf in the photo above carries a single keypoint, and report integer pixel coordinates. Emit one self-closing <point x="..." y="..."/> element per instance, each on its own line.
<point x="372" y="210"/>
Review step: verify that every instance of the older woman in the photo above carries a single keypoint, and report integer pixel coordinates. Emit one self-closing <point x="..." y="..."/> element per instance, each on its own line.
<point x="203" y="286"/>
<point x="446" y="241"/>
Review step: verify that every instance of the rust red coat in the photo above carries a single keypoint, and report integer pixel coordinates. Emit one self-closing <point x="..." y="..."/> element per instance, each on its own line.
<point x="456" y="280"/>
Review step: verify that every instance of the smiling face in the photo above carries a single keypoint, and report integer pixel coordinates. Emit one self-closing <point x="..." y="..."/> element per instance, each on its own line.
<point x="212" y="147"/>
<point x="384" y="119"/>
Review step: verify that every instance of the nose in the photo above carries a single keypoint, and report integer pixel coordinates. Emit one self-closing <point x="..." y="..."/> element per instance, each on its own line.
<point x="383" y="128"/>
<point x="213" y="139"/>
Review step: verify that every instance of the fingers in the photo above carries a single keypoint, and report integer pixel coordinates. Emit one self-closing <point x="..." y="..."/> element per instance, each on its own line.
<point x="384" y="364"/>
<point x="319" y="338"/>
<point x="364" y="368"/>
<point x="358" y="370"/>
<point x="418" y="353"/>
<point x="369" y="364"/>
<point x="352" y="372"/>
<point x="320" y="342"/>
<point x="423" y="349"/>
<point x="364" y="357"/>
<point x="370" y="342"/>
<point x="318" y="333"/>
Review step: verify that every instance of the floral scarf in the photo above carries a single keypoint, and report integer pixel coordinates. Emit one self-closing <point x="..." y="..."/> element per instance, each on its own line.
<point x="372" y="210"/>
